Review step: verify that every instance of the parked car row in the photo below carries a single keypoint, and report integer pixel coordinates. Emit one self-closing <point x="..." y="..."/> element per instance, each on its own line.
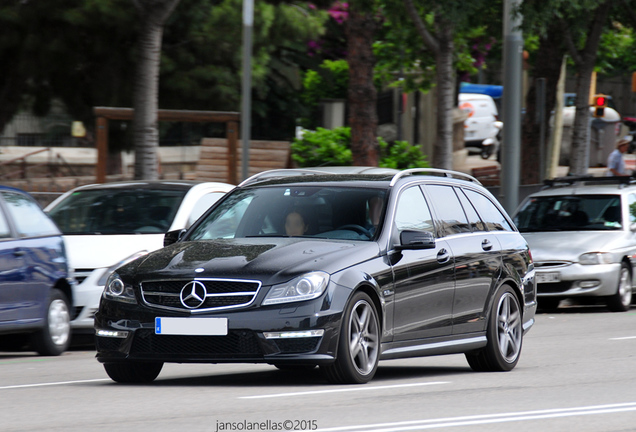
<point x="336" y="267"/>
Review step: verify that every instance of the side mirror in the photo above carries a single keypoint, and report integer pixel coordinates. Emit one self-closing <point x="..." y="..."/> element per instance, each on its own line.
<point x="410" y="239"/>
<point x="172" y="237"/>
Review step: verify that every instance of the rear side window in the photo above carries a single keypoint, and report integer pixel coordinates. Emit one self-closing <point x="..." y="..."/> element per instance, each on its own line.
<point x="28" y="217"/>
<point x="473" y="218"/>
<point x="490" y="214"/>
<point x="448" y="210"/>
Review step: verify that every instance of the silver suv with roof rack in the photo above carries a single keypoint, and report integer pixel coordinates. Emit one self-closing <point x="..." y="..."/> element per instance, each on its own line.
<point x="331" y="267"/>
<point x="582" y="233"/>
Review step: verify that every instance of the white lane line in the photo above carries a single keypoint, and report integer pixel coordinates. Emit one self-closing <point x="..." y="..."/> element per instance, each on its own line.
<point x="623" y="338"/>
<point x="52" y="384"/>
<point x="486" y="419"/>
<point x="342" y="390"/>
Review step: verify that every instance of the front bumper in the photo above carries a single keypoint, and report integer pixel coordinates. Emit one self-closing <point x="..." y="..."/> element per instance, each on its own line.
<point x="122" y="339"/>
<point x="86" y="296"/>
<point x="579" y="280"/>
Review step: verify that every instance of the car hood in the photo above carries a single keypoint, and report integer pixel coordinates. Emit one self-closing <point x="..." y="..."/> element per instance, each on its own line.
<point x="270" y="260"/>
<point x="100" y="251"/>
<point x="568" y="245"/>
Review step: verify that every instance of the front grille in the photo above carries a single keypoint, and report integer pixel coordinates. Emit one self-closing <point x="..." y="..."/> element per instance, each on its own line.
<point x="220" y="294"/>
<point x="108" y="343"/>
<point x="551" y="264"/>
<point x="300" y="345"/>
<point x="237" y="344"/>
<point x="82" y="274"/>
<point x="553" y="288"/>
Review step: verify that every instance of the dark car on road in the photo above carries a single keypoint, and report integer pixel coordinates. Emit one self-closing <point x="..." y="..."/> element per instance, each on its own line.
<point x="35" y="280"/>
<point x="303" y="268"/>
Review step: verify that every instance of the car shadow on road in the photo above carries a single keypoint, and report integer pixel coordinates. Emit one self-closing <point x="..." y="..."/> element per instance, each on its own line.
<point x="308" y="377"/>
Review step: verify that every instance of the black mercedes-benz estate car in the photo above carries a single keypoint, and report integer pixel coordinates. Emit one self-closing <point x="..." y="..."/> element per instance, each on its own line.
<point x="298" y="268"/>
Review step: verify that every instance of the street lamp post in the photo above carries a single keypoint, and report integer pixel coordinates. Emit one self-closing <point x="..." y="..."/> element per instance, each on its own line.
<point x="246" y="90"/>
<point x="511" y="154"/>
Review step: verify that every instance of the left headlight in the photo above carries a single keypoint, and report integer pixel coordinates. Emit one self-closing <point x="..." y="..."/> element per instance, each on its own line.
<point x="593" y="258"/>
<point x="306" y="287"/>
<point x="117" y="290"/>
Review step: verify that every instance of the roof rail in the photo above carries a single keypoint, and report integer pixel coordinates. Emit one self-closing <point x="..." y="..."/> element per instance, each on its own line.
<point x="283" y="172"/>
<point x="326" y="170"/>
<point x="434" y="171"/>
<point x="588" y="179"/>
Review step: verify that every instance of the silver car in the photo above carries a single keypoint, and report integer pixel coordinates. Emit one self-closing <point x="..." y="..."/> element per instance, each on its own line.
<point x="582" y="234"/>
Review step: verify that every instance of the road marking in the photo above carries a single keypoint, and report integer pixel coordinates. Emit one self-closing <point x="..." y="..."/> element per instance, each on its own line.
<point x="342" y="390"/>
<point x="487" y="418"/>
<point x="52" y="384"/>
<point x="623" y="338"/>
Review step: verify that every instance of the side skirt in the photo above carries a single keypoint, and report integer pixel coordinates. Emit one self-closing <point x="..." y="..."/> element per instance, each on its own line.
<point x="433" y="346"/>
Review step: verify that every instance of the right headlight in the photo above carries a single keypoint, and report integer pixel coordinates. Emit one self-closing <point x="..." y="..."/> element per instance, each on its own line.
<point x="306" y="287"/>
<point x="594" y="258"/>
<point x="117" y="290"/>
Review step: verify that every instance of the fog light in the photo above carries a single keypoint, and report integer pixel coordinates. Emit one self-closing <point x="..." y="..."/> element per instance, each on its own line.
<point x="112" y="334"/>
<point x="589" y="283"/>
<point x="293" y="334"/>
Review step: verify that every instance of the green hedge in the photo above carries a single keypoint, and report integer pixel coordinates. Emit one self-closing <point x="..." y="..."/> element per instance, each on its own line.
<point x="332" y="147"/>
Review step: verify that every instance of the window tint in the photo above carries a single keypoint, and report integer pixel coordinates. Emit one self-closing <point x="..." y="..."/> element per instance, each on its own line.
<point x="29" y="219"/>
<point x="412" y="211"/>
<point x="117" y="211"/>
<point x="632" y="208"/>
<point x="448" y="210"/>
<point x="570" y="213"/>
<point x="490" y="214"/>
<point x="473" y="218"/>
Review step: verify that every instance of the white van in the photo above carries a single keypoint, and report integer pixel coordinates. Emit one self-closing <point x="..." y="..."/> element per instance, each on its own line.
<point x="482" y="117"/>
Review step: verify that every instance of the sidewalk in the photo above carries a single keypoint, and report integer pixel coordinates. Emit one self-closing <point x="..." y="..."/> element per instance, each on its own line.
<point x="466" y="163"/>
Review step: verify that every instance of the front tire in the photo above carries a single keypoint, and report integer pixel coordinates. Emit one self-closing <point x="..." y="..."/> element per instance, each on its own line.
<point x="504" y="333"/>
<point x="622" y="300"/>
<point x="133" y="372"/>
<point x="55" y="337"/>
<point x="359" y="344"/>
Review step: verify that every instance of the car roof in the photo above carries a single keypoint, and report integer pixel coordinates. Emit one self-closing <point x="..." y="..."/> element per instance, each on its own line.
<point x="142" y="184"/>
<point x="13" y="189"/>
<point x="588" y="185"/>
<point x="381" y="177"/>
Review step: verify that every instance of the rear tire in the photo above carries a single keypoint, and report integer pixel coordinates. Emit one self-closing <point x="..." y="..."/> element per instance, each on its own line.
<point x="133" y="372"/>
<point x="55" y="337"/>
<point x="622" y="300"/>
<point x="359" y="344"/>
<point x="504" y="333"/>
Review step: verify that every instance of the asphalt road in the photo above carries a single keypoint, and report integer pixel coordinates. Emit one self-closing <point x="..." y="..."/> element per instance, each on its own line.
<point x="577" y="373"/>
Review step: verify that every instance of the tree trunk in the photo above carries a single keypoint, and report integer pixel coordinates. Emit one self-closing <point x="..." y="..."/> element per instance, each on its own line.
<point x="585" y="60"/>
<point x="153" y="15"/>
<point x="580" y="153"/>
<point x="443" y="148"/>
<point x="362" y="94"/>
<point x="551" y="52"/>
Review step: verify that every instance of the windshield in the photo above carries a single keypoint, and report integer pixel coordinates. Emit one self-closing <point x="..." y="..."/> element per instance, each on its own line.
<point x="304" y="211"/>
<point x="570" y="213"/>
<point x="117" y="211"/>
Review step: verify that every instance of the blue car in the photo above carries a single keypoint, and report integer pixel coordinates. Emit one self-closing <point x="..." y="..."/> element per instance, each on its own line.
<point x="35" y="280"/>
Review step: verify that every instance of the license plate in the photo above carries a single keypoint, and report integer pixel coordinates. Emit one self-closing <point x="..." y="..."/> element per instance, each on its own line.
<point x="548" y="277"/>
<point x="191" y="326"/>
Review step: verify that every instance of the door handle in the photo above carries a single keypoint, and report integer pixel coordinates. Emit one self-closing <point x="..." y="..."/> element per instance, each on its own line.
<point x="19" y="253"/>
<point x="486" y="245"/>
<point x="443" y="256"/>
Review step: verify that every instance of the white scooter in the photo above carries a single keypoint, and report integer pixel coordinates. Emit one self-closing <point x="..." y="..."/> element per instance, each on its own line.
<point x="490" y="145"/>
